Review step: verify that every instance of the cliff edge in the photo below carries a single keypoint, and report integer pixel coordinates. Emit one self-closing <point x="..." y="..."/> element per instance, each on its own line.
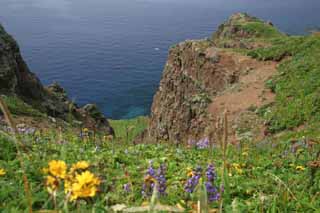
<point x="203" y="78"/>
<point x="17" y="81"/>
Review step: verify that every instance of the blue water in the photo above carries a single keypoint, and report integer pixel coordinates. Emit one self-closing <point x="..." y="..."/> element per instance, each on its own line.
<point x="112" y="52"/>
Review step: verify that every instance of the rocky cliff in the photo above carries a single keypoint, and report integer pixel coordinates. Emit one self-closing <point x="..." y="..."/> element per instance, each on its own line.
<point x="17" y="80"/>
<point x="202" y="78"/>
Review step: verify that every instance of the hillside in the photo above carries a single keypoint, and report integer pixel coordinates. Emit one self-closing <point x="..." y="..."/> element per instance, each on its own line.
<point x="234" y="127"/>
<point x="27" y="98"/>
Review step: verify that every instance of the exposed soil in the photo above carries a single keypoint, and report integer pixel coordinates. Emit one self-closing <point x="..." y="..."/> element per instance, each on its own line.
<point x="247" y="94"/>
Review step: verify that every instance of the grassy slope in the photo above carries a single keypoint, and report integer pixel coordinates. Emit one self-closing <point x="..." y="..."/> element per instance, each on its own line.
<point x="127" y="130"/>
<point x="268" y="179"/>
<point x="297" y="85"/>
<point x="19" y="107"/>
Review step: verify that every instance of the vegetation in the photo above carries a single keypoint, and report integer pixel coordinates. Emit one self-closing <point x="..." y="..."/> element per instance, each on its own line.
<point x="19" y="107"/>
<point x="297" y="83"/>
<point x="128" y="130"/>
<point x="119" y="170"/>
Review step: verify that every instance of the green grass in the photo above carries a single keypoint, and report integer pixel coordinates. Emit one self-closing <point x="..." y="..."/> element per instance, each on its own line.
<point x="268" y="180"/>
<point x="260" y="29"/>
<point x="297" y="83"/>
<point x="128" y="129"/>
<point x="19" y="107"/>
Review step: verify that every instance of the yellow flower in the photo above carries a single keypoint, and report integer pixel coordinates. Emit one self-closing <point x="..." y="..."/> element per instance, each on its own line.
<point x="239" y="171"/>
<point x="245" y="154"/>
<point x="300" y="168"/>
<point x="85" y="185"/>
<point x="58" y="168"/>
<point x="190" y="172"/>
<point x="82" y="191"/>
<point x="87" y="178"/>
<point x="80" y="165"/>
<point x="236" y="166"/>
<point x="149" y="179"/>
<point x="2" y="172"/>
<point x="45" y="170"/>
<point x="52" y="184"/>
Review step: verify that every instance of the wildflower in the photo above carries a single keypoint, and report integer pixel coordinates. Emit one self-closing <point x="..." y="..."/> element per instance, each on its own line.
<point x="190" y="172"/>
<point x="2" y="172"/>
<point x="127" y="187"/>
<point x="161" y="178"/>
<point x="238" y="168"/>
<point x="245" y="154"/>
<point x="212" y="190"/>
<point x="300" y="168"/>
<point x="52" y="184"/>
<point x="45" y="170"/>
<point x="81" y="165"/>
<point x="149" y="181"/>
<point x="85" y="185"/>
<point x="203" y="143"/>
<point x="193" y="181"/>
<point x="58" y="168"/>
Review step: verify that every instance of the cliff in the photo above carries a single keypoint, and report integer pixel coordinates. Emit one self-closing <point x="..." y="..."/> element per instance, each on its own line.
<point x="203" y="78"/>
<point x="16" y="80"/>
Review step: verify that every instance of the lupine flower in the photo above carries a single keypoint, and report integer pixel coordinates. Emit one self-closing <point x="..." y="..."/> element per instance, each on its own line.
<point x="203" y="143"/>
<point x="127" y="187"/>
<point x="212" y="190"/>
<point x="193" y="181"/>
<point x="149" y="181"/>
<point x="161" y="178"/>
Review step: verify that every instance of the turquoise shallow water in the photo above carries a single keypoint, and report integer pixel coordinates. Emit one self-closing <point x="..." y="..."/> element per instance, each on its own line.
<point x="112" y="52"/>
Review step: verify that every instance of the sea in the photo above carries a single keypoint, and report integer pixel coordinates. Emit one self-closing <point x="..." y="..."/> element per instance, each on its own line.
<point x="112" y="52"/>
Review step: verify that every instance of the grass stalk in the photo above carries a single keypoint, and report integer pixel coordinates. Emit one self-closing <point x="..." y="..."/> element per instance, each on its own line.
<point x="224" y="156"/>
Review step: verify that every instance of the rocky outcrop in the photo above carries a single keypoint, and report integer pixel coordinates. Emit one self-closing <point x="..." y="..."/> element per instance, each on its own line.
<point x="17" y="79"/>
<point x="196" y="73"/>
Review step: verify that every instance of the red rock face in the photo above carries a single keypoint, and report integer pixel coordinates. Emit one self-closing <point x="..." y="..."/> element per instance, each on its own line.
<point x="194" y="73"/>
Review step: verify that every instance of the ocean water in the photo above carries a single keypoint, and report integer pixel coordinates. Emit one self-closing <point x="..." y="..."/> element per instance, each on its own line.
<point x="112" y="52"/>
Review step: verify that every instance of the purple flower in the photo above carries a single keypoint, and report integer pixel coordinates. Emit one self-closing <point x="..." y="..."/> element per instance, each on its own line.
<point x="203" y="143"/>
<point x="193" y="181"/>
<point x="127" y="187"/>
<point x="151" y="178"/>
<point x="161" y="178"/>
<point x="149" y="181"/>
<point x="212" y="190"/>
